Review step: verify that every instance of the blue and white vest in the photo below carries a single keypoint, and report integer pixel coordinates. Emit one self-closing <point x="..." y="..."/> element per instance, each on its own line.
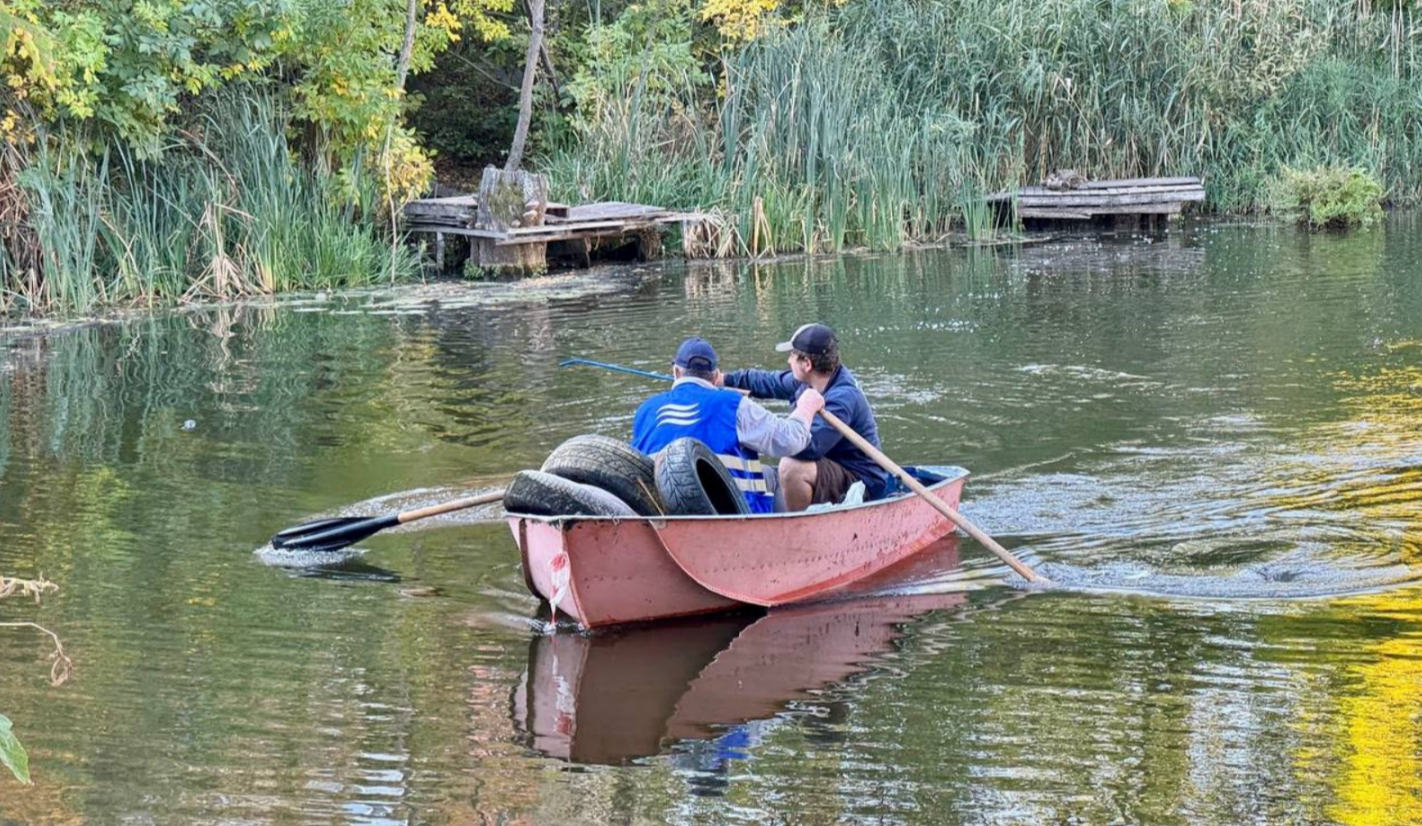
<point x="692" y="408"/>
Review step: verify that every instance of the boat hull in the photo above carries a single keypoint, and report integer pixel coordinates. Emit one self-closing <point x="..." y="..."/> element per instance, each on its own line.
<point x="607" y="571"/>
<point x="783" y="558"/>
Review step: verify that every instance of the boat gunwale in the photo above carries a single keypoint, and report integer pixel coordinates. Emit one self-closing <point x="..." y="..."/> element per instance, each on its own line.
<point x="955" y="474"/>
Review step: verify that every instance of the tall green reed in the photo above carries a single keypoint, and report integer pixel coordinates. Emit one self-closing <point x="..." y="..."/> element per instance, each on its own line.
<point x="229" y="210"/>
<point x="879" y="122"/>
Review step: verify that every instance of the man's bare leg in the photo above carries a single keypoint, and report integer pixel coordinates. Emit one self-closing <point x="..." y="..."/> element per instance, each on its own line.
<point x="797" y="481"/>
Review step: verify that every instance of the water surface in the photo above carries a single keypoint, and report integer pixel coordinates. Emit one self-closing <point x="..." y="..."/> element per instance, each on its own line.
<point x="1212" y="434"/>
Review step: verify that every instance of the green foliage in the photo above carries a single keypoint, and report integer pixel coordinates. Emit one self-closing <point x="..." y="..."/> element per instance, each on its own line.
<point x="646" y="49"/>
<point x="12" y="754"/>
<point x="129" y="65"/>
<point x="878" y="122"/>
<point x="804" y="123"/>
<point x="228" y="214"/>
<point x="132" y="69"/>
<point x="1332" y="197"/>
<point x="118" y="108"/>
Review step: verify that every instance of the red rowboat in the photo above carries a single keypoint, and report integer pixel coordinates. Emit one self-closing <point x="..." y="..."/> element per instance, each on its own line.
<point x="603" y="571"/>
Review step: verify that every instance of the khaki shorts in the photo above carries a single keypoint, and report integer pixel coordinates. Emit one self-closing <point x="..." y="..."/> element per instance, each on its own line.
<point x="832" y="482"/>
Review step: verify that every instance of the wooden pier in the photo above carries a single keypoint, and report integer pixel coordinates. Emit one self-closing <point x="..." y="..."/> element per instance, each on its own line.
<point x="519" y="235"/>
<point x="1069" y="199"/>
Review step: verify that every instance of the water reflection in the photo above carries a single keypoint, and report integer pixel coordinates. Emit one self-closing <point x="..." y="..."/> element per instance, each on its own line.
<point x="616" y="696"/>
<point x="1238" y="403"/>
<point x="1379" y="738"/>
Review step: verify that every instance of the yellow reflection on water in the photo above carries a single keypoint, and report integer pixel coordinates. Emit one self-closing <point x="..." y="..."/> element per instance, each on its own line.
<point x="1387" y="424"/>
<point x="1380" y="782"/>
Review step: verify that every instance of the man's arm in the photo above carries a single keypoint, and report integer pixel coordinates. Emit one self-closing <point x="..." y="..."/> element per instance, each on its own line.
<point x="823" y="437"/>
<point x="764" y="384"/>
<point x="768" y="434"/>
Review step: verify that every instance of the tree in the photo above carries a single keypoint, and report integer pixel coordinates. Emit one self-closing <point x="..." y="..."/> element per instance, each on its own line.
<point x="525" y="95"/>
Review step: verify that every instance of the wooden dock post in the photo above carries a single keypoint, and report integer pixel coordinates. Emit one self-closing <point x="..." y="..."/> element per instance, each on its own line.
<point x="511" y="200"/>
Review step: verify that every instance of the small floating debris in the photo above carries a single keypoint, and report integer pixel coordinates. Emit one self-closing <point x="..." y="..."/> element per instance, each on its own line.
<point x="419" y="592"/>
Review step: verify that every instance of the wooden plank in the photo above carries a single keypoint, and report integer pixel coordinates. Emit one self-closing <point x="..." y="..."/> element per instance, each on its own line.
<point x="1103" y="201"/>
<point x="464" y="217"/>
<point x="438" y="208"/>
<point x="1138" y="182"/>
<point x="572" y="226"/>
<point x="609" y="232"/>
<point x="609" y="210"/>
<point x="1040" y="192"/>
<point x="1055" y="214"/>
<point x="457" y="200"/>
<point x="470" y="231"/>
<point x="1081" y="214"/>
<point x="1131" y="184"/>
<point x="1140" y="209"/>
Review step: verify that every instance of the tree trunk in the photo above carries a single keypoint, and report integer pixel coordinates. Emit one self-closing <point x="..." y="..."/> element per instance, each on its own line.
<point x="510" y="200"/>
<point x="402" y="67"/>
<point x="525" y="95"/>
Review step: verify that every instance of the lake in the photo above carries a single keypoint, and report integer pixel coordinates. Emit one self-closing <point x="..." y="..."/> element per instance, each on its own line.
<point x="1211" y="435"/>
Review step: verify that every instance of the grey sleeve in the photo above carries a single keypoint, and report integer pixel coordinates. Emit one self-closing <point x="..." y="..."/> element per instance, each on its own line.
<point x="769" y="434"/>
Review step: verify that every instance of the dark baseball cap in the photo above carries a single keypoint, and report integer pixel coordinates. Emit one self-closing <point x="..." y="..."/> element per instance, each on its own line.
<point x="696" y="354"/>
<point x="811" y="339"/>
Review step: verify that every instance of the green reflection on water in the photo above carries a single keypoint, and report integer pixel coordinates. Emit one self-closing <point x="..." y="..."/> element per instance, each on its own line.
<point x="1202" y="402"/>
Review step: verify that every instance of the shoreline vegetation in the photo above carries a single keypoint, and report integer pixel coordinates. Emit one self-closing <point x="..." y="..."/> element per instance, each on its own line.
<point x="275" y="163"/>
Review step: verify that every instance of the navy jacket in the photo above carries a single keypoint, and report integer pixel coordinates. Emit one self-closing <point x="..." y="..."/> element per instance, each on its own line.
<point x="844" y="399"/>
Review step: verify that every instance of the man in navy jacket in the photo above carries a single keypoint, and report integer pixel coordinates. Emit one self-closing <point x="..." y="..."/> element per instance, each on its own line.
<point x="824" y="471"/>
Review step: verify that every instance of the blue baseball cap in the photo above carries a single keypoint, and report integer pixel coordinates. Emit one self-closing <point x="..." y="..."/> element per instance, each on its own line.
<point x="810" y="339"/>
<point x="696" y="354"/>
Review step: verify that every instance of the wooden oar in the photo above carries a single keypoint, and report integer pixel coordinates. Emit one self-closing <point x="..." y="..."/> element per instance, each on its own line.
<point x="938" y="504"/>
<point x="334" y="534"/>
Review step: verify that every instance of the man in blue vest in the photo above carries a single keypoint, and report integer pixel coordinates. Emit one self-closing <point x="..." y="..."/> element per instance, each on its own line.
<point x="733" y="425"/>
<point x="824" y="471"/>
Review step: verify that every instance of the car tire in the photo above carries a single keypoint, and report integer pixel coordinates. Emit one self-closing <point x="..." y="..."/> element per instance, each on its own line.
<point x="535" y="493"/>
<point x="612" y="465"/>
<point x="693" y="482"/>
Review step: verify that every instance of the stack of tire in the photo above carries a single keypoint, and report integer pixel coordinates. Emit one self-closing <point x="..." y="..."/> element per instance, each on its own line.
<point x="599" y="476"/>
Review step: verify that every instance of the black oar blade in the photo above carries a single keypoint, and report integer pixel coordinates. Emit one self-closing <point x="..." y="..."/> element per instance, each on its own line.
<point x="314" y="527"/>
<point x="342" y="533"/>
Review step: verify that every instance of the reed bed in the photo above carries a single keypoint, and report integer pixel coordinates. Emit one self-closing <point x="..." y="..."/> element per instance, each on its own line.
<point x="886" y="121"/>
<point x="228" y="212"/>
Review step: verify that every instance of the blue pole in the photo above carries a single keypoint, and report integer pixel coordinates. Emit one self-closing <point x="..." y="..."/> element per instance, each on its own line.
<point x="616" y="368"/>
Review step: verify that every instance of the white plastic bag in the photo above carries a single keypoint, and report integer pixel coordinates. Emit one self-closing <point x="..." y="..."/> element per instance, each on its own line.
<point x="854" y="496"/>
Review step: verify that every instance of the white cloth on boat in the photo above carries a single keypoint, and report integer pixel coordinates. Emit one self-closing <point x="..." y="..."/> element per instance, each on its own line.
<point x="854" y="496"/>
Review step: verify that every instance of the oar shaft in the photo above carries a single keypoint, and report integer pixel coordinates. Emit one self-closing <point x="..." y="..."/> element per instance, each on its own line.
<point x="917" y="487"/>
<point x="448" y="507"/>
<point x="616" y="368"/>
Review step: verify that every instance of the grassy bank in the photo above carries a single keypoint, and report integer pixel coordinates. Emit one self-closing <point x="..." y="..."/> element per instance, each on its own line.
<point x="229" y="210"/>
<point x="884" y="121"/>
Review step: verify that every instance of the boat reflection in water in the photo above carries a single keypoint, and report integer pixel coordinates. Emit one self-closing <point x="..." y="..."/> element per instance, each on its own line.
<point x="636" y="691"/>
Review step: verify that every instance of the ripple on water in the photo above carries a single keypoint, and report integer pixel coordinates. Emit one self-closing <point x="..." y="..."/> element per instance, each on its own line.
<point x="1307" y="571"/>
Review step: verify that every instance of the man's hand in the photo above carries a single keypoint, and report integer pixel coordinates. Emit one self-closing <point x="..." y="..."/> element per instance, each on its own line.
<point x="720" y="380"/>
<point x="809" y="403"/>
